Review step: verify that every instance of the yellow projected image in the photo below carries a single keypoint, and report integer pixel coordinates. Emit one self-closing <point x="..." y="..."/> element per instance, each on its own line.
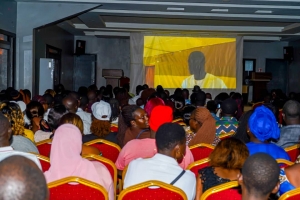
<point x="187" y="61"/>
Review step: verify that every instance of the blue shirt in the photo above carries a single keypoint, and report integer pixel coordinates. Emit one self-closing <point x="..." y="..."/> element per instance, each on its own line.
<point x="226" y="125"/>
<point x="272" y="149"/>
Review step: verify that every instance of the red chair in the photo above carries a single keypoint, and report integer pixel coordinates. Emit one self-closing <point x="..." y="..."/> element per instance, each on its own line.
<point x="291" y="195"/>
<point x="160" y="191"/>
<point x="196" y="166"/>
<point x="108" y="149"/>
<point x="179" y="121"/>
<point x="226" y="135"/>
<point x="284" y="163"/>
<point x="75" y="188"/>
<point x="201" y="151"/>
<point x="114" y="128"/>
<point x="108" y="164"/>
<point x="44" y="147"/>
<point x="293" y="152"/>
<point x="226" y="191"/>
<point x="45" y="161"/>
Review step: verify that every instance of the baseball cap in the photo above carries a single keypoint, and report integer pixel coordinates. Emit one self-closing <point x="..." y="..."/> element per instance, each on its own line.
<point x="101" y="111"/>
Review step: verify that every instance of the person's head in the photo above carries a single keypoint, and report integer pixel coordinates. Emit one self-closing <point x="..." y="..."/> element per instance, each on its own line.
<point x="229" y="107"/>
<point x="51" y="92"/>
<point x="138" y="89"/>
<point x="71" y="118"/>
<point x="115" y="109"/>
<point x="170" y="140"/>
<point x="15" y="95"/>
<point x="14" y="115"/>
<point x="27" y="93"/>
<point x="115" y="91"/>
<point x="58" y="99"/>
<point x="221" y="97"/>
<point x="139" y="102"/>
<point x="145" y="86"/>
<point x="101" y="115"/>
<point x="84" y="102"/>
<point x="82" y="91"/>
<point x="187" y="112"/>
<point x="230" y="154"/>
<point x="198" y="99"/>
<point x="159" y="89"/>
<point x="260" y="176"/>
<point x="126" y="87"/>
<point x="71" y="104"/>
<point x="167" y="93"/>
<point x="34" y="109"/>
<point x="160" y="115"/>
<point x="41" y="100"/>
<point x="59" y="89"/>
<point x="134" y="116"/>
<point x="92" y="96"/>
<point x="262" y="125"/>
<point x="241" y="132"/>
<point x="196" y="89"/>
<point x="5" y="131"/>
<point x="152" y="103"/>
<point x="49" y="99"/>
<point x="54" y="116"/>
<point x="93" y="87"/>
<point x="196" y="62"/>
<point x="185" y="93"/>
<point x="291" y="112"/>
<point x="208" y="96"/>
<point x="122" y="96"/>
<point x="198" y="117"/>
<point x="20" y="178"/>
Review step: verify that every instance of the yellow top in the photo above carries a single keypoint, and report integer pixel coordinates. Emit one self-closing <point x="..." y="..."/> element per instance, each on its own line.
<point x="29" y="134"/>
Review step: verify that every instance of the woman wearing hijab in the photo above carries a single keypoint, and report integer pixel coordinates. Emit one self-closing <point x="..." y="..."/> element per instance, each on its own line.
<point x="262" y="127"/>
<point x="66" y="161"/>
<point x="203" y="126"/>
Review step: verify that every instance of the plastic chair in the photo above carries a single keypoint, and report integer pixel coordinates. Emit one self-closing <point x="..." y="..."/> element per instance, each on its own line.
<point x="291" y="195"/>
<point x="45" y="161"/>
<point x="226" y="191"/>
<point x="108" y="164"/>
<point x="201" y="151"/>
<point x="226" y="135"/>
<point x="160" y="191"/>
<point x="108" y="149"/>
<point x="44" y="147"/>
<point x="196" y="166"/>
<point x="284" y="163"/>
<point x="293" y="152"/>
<point x="75" y="188"/>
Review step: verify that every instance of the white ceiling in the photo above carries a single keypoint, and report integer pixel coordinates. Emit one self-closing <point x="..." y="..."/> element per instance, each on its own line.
<point x="254" y="19"/>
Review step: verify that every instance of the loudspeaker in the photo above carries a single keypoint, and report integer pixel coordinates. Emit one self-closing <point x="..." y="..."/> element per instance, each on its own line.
<point x="288" y="53"/>
<point x="80" y="47"/>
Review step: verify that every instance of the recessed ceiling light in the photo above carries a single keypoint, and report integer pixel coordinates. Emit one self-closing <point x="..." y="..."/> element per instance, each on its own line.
<point x="177" y="9"/>
<point x="264" y="11"/>
<point x="219" y="10"/>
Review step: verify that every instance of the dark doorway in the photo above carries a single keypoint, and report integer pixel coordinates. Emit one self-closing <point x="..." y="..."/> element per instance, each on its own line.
<point x="55" y="53"/>
<point x="278" y="68"/>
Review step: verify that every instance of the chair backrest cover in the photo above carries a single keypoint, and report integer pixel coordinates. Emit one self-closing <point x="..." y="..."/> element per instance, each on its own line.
<point x="291" y="195"/>
<point x="45" y="161"/>
<point x="108" y="149"/>
<point x="226" y="135"/>
<point x="199" y="164"/>
<point x="154" y="190"/>
<point x="226" y="191"/>
<point x="75" y="188"/>
<point x="44" y="147"/>
<point x="284" y="163"/>
<point x="293" y="152"/>
<point x="201" y="151"/>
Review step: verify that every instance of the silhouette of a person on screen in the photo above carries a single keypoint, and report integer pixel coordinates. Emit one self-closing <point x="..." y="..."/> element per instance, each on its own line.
<point x="198" y="74"/>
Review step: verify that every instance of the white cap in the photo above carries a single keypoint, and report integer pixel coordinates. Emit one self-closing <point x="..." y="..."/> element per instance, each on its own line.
<point x="100" y="109"/>
<point x="21" y="104"/>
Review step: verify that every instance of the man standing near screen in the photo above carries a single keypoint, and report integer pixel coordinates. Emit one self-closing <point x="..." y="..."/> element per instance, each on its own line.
<point x="199" y="75"/>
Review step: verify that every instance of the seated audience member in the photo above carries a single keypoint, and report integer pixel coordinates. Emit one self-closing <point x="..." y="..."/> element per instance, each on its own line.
<point x="289" y="178"/>
<point x="115" y="111"/>
<point x="186" y="96"/>
<point x="100" y="127"/>
<point x="170" y="142"/>
<point x="26" y="96"/>
<point x="198" y="99"/>
<point x="204" y="127"/>
<point x="259" y="177"/>
<point x="208" y="97"/>
<point x="41" y="100"/>
<point x="50" y="102"/>
<point x="20" y="178"/>
<point x="54" y="117"/>
<point x="85" y="116"/>
<point x="226" y="162"/>
<point x="179" y="105"/>
<point x="213" y="108"/>
<point x="241" y="131"/>
<point x="123" y="97"/>
<point x="139" y="89"/>
<point x="65" y="160"/>
<point x="92" y="96"/>
<point x="290" y="134"/>
<point x="227" y="122"/>
<point x="6" y="139"/>
<point x="240" y="105"/>
<point x="51" y="92"/>
<point x="262" y="128"/>
<point x="133" y="124"/>
<point x="35" y="113"/>
<point x="71" y="118"/>
<point x="146" y="147"/>
<point x="152" y="103"/>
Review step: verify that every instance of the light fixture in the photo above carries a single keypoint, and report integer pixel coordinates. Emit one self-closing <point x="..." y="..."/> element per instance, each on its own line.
<point x="175" y="9"/>
<point x="219" y="10"/>
<point x="264" y="11"/>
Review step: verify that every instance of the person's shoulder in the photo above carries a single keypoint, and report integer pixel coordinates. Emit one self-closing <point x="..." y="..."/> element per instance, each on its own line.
<point x="189" y="174"/>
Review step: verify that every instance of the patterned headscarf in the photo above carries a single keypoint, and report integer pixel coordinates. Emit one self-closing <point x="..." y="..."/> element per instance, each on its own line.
<point x="262" y="124"/>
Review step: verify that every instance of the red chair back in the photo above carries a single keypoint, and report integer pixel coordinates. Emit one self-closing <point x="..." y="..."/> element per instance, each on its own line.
<point x="196" y="166"/>
<point x="142" y="191"/>
<point x="75" y="188"/>
<point x="201" y="151"/>
<point x="291" y="195"/>
<point x="226" y="135"/>
<point x="45" y="161"/>
<point x="284" y="163"/>
<point x="44" y="147"/>
<point x="226" y="191"/>
<point x="293" y="152"/>
<point x="108" y="149"/>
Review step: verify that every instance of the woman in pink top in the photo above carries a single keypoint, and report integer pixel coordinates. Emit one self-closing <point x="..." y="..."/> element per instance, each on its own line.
<point x="65" y="160"/>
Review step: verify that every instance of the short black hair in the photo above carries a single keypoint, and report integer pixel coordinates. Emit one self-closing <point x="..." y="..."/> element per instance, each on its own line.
<point x="25" y="180"/>
<point x="169" y="135"/>
<point x="198" y="98"/>
<point x="84" y="101"/>
<point x="260" y="174"/>
<point x="211" y="106"/>
<point x="291" y="109"/>
<point x="229" y="106"/>
<point x="55" y="114"/>
<point x="30" y="106"/>
<point x="49" y="98"/>
<point x="145" y="86"/>
<point x="75" y="95"/>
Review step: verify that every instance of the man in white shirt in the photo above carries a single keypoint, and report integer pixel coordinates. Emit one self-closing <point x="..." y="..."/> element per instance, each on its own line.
<point x="6" y="139"/>
<point x="171" y="144"/>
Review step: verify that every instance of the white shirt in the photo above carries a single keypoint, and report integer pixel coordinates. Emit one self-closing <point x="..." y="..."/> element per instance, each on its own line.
<point x="161" y="168"/>
<point x="41" y="135"/>
<point x="8" y="151"/>
<point x="46" y="114"/>
<point x="86" y="119"/>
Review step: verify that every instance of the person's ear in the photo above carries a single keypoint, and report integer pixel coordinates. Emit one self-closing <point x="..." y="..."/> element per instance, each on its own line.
<point x="240" y="179"/>
<point x="133" y="123"/>
<point x="276" y="188"/>
<point x="9" y="132"/>
<point x="283" y="116"/>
